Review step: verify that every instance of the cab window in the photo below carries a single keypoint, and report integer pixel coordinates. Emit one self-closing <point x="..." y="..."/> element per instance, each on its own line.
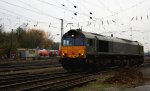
<point x="73" y="41"/>
<point x="67" y="42"/>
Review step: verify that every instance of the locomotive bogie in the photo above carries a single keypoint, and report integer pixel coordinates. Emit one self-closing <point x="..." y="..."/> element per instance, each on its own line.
<point x="74" y="64"/>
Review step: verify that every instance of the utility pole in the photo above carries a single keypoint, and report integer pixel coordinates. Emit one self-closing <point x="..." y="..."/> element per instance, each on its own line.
<point x="62" y="31"/>
<point x="131" y="33"/>
<point x="11" y="38"/>
<point x="11" y="43"/>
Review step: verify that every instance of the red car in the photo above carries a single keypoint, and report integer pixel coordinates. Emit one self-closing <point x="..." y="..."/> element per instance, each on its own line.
<point x="43" y="53"/>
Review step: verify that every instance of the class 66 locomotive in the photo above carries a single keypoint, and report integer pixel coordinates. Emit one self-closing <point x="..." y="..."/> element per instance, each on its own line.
<point x="90" y="51"/>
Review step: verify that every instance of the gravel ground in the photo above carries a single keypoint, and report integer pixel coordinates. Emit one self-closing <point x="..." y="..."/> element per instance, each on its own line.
<point x="144" y="86"/>
<point x="127" y="82"/>
<point x="140" y="86"/>
<point x="133" y="79"/>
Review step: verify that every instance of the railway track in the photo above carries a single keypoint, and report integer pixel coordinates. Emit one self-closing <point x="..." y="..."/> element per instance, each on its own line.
<point x="25" y="77"/>
<point x="26" y="82"/>
<point x="7" y="66"/>
<point x="63" y="83"/>
<point x="25" y="67"/>
<point x="43" y="82"/>
<point x="47" y="81"/>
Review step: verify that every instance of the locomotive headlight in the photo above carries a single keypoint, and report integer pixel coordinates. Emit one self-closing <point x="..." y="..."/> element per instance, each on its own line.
<point x="63" y="54"/>
<point x="72" y="35"/>
<point x="82" y="54"/>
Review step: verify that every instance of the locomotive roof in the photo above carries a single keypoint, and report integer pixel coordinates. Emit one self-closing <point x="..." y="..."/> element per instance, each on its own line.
<point x="90" y="35"/>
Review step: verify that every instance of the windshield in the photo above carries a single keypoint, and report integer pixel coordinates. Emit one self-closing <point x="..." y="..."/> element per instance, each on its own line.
<point x="73" y="42"/>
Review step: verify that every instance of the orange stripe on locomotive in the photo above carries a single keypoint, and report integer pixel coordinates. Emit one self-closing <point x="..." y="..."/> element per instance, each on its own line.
<point x="74" y="51"/>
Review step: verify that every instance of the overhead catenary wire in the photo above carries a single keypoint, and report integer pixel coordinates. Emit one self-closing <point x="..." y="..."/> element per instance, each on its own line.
<point x="28" y="5"/>
<point x="101" y="3"/>
<point x="60" y="7"/>
<point x="39" y="9"/>
<point x="133" y="6"/>
<point x="50" y="4"/>
<point x="37" y="12"/>
<point x="25" y="18"/>
<point x="64" y="7"/>
<point x="86" y="21"/>
<point x="29" y="9"/>
<point x="18" y="15"/>
<point x="22" y="17"/>
<point x="76" y="7"/>
<point x="115" y="13"/>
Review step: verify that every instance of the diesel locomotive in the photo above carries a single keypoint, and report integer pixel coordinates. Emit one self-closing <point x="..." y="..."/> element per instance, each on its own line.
<point x="90" y="51"/>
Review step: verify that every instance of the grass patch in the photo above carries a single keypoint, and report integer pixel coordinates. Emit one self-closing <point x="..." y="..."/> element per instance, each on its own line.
<point x="92" y="87"/>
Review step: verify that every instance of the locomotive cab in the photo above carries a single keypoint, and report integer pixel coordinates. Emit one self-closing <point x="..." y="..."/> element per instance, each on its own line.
<point x="73" y="45"/>
<point x="73" y="50"/>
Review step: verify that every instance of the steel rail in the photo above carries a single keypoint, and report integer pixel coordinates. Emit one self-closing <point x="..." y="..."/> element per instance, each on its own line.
<point x="35" y="80"/>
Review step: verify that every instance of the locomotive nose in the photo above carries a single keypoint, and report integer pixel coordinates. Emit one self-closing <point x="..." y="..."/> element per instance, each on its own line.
<point x="73" y="52"/>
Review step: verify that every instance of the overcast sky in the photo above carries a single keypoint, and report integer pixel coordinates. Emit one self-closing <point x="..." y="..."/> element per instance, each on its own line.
<point x="129" y="19"/>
